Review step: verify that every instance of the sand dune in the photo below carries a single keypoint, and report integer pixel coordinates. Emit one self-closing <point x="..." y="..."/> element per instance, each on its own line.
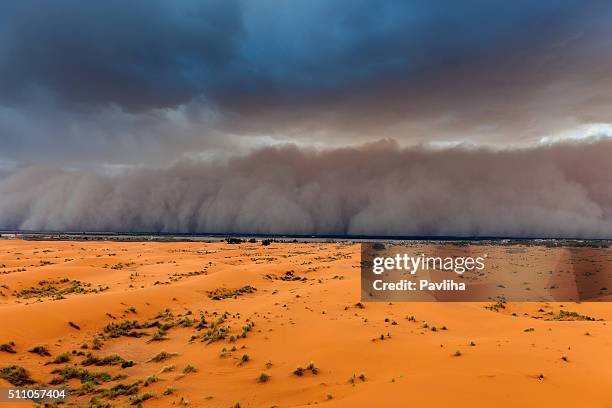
<point x="282" y="306"/>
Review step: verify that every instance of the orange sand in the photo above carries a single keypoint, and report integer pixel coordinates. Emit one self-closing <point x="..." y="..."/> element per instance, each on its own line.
<point x="296" y="322"/>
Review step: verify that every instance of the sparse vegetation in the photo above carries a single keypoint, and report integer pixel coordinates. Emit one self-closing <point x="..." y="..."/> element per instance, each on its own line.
<point x="126" y="328"/>
<point x="313" y="369"/>
<point x="122" y="389"/>
<point x="41" y="351"/>
<point x="97" y="343"/>
<point x="159" y="335"/>
<point x="291" y="276"/>
<point x="16" y="375"/>
<point x="95" y="402"/>
<point x="222" y="293"/>
<point x="284" y="308"/>
<point x="111" y="360"/>
<point x="215" y="332"/>
<point x="61" y="359"/>
<point x="140" y="398"/>
<point x="167" y="369"/>
<point x="8" y="347"/>
<point x="300" y="371"/>
<point x="161" y="356"/>
<point x="497" y="306"/>
<point x="189" y="369"/>
<point x="57" y="289"/>
<point x="571" y="316"/>
<point x="354" y="378"/>
<point x="150" y="380"/>
<point x="85" y="376"/>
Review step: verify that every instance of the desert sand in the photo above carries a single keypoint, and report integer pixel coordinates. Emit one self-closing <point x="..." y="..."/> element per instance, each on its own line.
<point x="238" y="321"/>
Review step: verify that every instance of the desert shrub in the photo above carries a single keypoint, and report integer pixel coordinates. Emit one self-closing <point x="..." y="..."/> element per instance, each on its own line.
<point x="95" y="402"/>
<point x="125" y="328"/>
<point x="61" y="359"/>
<point x="497" y="306"/>
<point x="167" y="369"/>
<point x="41" y="351"/>
<point x="313" y="369"/>
<point x="122" y="389"/>
<point x="225" y="294"/>
<point x="159" y="335"/>
<point x="354" y="378"/>
<point x="150" y="380"/>
<point x="189" y="369"/>
<point x="8" y="347"/>
<point x="140" y="398"/>
<point x="161" y="356"/>
<point x="16" y="375"/>
<point x="184" y="322"/>
<point x="97" y="343"/>
<point x="127" y="364"/>
<point x="571" y="316"/>
<point x="110" y="360"/>
<point x="215" y="332"/>
<point x="85" y="376"/>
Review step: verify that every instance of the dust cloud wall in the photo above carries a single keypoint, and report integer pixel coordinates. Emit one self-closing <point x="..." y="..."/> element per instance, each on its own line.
<point x="554" y="190"/>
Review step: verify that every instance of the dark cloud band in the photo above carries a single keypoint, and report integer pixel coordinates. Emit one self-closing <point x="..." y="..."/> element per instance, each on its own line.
<point x="158" y="54"/>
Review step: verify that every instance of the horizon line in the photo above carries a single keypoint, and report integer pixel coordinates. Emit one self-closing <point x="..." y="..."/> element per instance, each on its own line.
<point x="300" y="236"/>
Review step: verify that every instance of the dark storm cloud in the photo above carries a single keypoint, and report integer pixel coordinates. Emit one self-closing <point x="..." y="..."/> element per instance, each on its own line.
<point x="125" y="82"/>
<point x="558" y="190"/>
<point x="151" y="54"/>
<point x="137" y="55"/>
